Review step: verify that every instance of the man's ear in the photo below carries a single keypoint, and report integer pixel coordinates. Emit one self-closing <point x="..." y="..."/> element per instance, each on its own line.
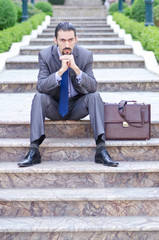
<point x="55" y="40"/>
<point x="76" y="39"/>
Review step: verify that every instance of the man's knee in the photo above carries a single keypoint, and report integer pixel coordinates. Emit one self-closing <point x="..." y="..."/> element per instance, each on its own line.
<point x="41" y="98"/>
<point x="94" y="96"/>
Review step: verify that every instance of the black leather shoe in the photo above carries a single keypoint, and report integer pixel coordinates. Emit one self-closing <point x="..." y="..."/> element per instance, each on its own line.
<point x="103" y="157"/>
<point x="33" y="157"/>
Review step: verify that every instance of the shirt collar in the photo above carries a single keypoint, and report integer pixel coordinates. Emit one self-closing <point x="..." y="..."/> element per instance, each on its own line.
<point x="59" y="52"/>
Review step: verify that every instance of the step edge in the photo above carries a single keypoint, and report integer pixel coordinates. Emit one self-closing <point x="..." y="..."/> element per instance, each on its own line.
<point x="79" y="195"/>
<point x="63" y="168"/>
<point x="79" y="224"/>
<point x="77" y="143"/>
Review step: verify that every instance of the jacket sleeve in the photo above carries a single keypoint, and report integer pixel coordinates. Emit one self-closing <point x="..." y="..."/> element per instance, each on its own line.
<point x="46" y="80"/>
<point x="88" y="81"/>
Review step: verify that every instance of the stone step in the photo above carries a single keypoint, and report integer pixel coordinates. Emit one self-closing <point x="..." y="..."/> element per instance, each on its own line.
<point x="82" y="35"/>
<point x="86" y="30"/>
<point x="80" y="11"/>
<point x="134" y="228"/>
<point x="100" y="61"/>
<point x="83" y="149"/>
<point x="84" y="25"/>
<point x="78" y="19"/>
<point x="95" y="49"/>
<point x="81" y="41"/>
<point x="53" y="174"/>
<point x="57" y="129"/>
<point x="21" y="111"/>
<point x="82" y="202"/>
<point x="81" y="21"/>
<point x="83" y="3"/>
<point x="112" y="80"/>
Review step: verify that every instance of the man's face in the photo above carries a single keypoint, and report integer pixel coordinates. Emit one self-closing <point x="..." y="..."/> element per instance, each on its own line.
<point x="65" y="41"/>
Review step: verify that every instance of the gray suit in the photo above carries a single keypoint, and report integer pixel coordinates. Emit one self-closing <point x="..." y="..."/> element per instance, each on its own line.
<point x="45" y="102"/>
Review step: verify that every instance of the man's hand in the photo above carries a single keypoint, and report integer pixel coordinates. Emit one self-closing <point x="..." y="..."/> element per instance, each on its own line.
<point x="68" y="61"/>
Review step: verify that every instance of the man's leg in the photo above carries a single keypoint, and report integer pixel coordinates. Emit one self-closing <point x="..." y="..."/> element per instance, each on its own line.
<point x="93" y="105"/>
<point x="90" y="104"/>
<point x="42" y="106"/>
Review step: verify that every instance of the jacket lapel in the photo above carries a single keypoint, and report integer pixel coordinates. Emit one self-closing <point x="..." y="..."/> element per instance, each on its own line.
<point x="75" y="54"/>
<point x="56" y="58"/>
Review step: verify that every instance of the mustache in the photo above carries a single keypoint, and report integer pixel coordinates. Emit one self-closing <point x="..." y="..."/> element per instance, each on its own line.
<point x="66" y="49"/>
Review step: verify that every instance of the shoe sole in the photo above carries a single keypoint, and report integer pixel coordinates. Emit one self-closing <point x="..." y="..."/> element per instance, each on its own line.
<point x="109" y="165"/>
<point x="28" y="165"/>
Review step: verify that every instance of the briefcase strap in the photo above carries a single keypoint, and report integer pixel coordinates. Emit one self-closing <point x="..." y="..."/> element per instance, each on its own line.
<point x="121" y="110"/>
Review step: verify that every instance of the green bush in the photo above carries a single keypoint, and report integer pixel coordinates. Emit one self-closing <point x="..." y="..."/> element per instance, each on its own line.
<point x="19" y="10"/>
<point x="127" y="11"/>
<point x="148" y="36"/>
<point x="32" y="10"/>
<point x="156" y="2"/>
<point x="57" y="2"/>
<point x="16" y="33"/>
<point x="138" y="10"/>
<point x="156" y="15"/>
<point x="150" y="39"/>
<point x="114" y="7"/>
<point x="19" y="14"/>
<point x="8" y="14"/>
<point x="45" y="7"/>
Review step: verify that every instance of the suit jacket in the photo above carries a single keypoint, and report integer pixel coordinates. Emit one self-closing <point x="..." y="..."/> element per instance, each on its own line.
<point x="49" y="64"/>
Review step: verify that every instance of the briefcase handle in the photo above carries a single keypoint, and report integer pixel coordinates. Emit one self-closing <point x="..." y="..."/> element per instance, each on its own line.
<point x="121" y="110"/>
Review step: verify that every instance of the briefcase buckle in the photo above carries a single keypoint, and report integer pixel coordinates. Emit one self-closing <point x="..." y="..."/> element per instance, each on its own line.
<point x="125" y="125"/>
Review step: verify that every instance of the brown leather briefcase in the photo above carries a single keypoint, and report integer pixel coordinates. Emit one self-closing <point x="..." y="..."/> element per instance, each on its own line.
<point x="127" y="120"/>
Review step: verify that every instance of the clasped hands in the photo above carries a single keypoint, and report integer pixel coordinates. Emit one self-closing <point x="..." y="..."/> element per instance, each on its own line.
<point x="68" y="62"/>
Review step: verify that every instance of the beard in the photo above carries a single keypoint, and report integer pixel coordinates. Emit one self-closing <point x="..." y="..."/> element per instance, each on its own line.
<point x="66" y="51"/>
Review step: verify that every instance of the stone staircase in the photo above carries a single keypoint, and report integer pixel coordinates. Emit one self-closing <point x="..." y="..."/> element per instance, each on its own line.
<point x="82" y="8"/>
<point x="68" y="196"/>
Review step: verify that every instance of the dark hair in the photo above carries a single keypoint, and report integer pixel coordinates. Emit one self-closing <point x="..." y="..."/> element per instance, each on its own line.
<point x="65" y="26"/>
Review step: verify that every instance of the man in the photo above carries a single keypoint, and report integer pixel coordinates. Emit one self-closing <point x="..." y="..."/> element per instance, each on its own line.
<point x="66" y="66"/>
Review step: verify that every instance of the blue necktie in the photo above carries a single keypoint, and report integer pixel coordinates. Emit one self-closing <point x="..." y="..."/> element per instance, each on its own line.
<point x="63" y="103"/>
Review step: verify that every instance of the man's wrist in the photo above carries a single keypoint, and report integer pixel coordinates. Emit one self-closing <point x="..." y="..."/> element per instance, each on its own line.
<point x="60" y="72"/>
<point x="77" y="71"/>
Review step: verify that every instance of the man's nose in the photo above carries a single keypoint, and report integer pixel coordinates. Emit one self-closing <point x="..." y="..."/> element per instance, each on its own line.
<point x="67" y="44"/>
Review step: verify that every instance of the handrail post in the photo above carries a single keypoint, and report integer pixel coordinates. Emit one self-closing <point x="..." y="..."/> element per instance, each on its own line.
<point x="32" y="1"/>
<point x="24" y="10"/>
<point x="120" y="6"/>
<point x="149" y="13"/>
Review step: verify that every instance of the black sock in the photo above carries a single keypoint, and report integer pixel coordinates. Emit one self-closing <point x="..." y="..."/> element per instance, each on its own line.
<point x="100" y="142"/>
<point x="34" y="144"/>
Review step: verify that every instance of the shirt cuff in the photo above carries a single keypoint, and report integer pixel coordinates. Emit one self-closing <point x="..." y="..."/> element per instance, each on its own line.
<point x="58" y="78"/>
<point x="79" y="77"/>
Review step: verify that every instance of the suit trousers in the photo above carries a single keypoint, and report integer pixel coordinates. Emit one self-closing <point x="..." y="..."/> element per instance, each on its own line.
<point x="44" y="105"/>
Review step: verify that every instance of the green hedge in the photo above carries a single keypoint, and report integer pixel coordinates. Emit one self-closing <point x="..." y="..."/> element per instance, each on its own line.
<point x="8" y="14"/>
<point x="156" y="15"/>
<point x="32" y="10"/>
<point x="16" y="33"/>
<point x="148" y="36"/>
<point x="45" y="7"/>
<point x="138" y="10"/>
<point x="115" y="6"/>
<point x="156" y="2"/>
<point x="57" y="2"/>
